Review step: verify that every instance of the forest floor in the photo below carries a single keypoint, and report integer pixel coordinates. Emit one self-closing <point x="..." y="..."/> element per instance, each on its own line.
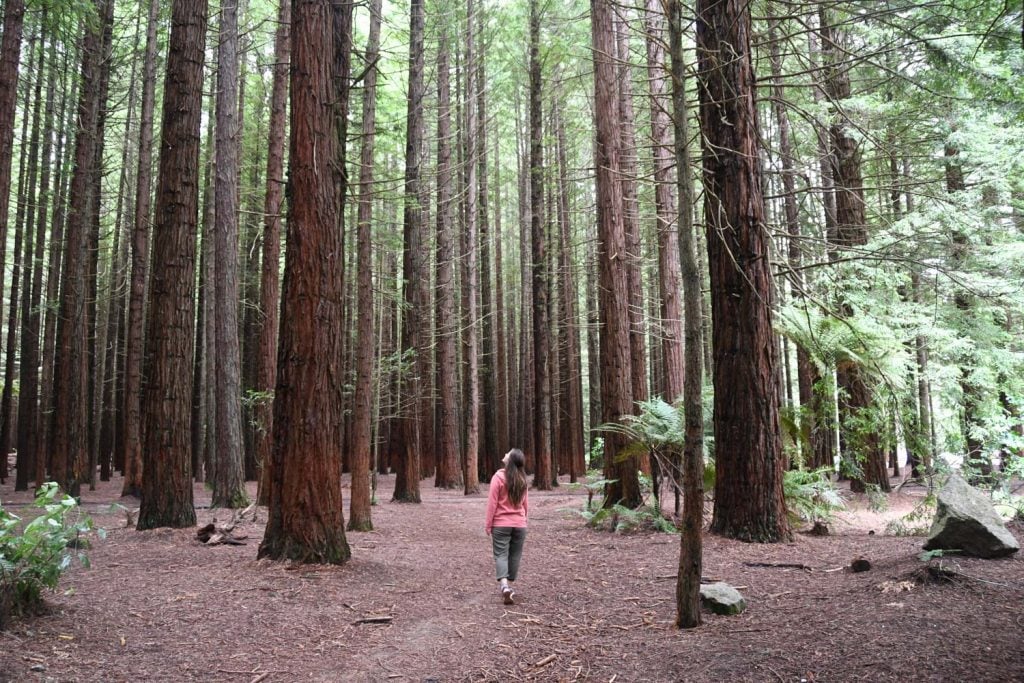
<point x="591" y="605"/>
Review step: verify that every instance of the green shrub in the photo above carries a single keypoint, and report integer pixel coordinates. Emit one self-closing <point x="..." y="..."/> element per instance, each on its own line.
<point x="917" y="522"/>
<point x="34" y="555"/>
<point x="810" y="496"/>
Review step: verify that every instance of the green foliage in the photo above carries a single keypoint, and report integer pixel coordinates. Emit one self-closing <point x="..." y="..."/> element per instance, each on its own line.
<point x="34" y="555"/>
<point x="811" y="496"/>
<point x="917" y="522"/>
<point x="929" y="555"/>
<point x="878" y="501"/>
<point x="620" y="519"/>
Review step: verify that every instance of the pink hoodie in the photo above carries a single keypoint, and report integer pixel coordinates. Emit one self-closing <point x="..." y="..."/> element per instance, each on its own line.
<point x="500" y="510"/>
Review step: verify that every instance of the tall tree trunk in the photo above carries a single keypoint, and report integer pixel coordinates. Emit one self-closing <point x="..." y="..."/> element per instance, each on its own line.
<point x="631" y="220"/>
<point x="229" y="479"/>
<point x="449" y="474"/>
<point x="10" y="59"/>
<point x="28" y="268"/>
<point x="54" y="261"/>
<point x="613" y="277"/>
<point x="26" y="180"/>
<point x="359" y="518"/>
<point x="850" y="232"/>
<point x="794" y="253"/>
<point x="748" y="444"/>
<point x="414" y="294"/>
<point x="140" y="267"/>
<point x="571" y="441"/>
<point x="204" y="452"/>
<point x="96" y="334"/>
<point x="470" y="277"/>
<point x="270" y="289"/>
<point x="167" y="401"/>
<point x="970" y="422"/>
<point x="501" y="395"/>
<point x="71" y="417"/>
<point x="305" y="519"/>
<point x="30" y="459"/>
<point x="543" y="474"/>
<point x="691" y="541"/>
<point x="110" y="437"/>
<point x="673" y="372"/>
<point x="490" y="451"/>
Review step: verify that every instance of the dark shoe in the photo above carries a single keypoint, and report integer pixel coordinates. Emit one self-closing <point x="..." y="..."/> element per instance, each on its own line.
<point x="508" y="595"/>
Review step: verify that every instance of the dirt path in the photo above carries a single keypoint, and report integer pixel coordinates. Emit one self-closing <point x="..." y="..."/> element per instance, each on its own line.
<point x="158" y="606"/>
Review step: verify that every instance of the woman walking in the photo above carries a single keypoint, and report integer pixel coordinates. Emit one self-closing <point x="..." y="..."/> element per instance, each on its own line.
<point x="506" y="520"/>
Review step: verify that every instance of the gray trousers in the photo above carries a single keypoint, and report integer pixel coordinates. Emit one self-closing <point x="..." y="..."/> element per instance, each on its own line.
<point x="507" y="543"/>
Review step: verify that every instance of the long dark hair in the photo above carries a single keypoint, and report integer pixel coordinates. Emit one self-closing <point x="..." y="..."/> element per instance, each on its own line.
<point x="515" y="476"/>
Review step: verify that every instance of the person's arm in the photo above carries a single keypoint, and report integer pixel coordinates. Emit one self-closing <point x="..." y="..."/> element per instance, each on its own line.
<point x="526" y="503"/>
<point x="492" y="505"/>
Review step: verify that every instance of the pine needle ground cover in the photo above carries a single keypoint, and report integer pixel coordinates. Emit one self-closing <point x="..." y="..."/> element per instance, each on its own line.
<point x="417" y="602"/>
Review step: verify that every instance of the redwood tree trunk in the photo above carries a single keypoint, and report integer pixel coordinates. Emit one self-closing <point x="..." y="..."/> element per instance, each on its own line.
<point x="613" y="283"/>
<point x="748" y="445"/>
<point x="543" y="474"/>
<point x="140" y="267"/>
<point x="167" y="402"/>
<point x="471" y="448"/>
<point x="29" y="423"/>
<point x="449" y="474"/>
<point x="228" y="479"/>
<point x="407" y="476"/>
<point x="305" y="517"/>
<point x="359" y="518"/>
<point x="850" y="231"/>
<point x="71" y="429"/>
<point x="691" y="546"/>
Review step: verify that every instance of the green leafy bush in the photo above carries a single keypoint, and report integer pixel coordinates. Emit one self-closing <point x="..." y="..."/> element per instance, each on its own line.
<point x="34" y="555"/>
<point x="810" y="496"/>
<point x="917" y="522"/>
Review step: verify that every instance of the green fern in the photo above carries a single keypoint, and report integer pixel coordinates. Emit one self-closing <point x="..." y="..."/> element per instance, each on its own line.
<point x="811" y="496"/>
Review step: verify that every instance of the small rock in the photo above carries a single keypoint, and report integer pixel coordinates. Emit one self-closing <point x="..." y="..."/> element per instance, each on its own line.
<point x="721" y="598"/>
<point x="37" y="667"/>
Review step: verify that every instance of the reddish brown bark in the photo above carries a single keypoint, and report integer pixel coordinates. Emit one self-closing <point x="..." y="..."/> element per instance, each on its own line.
<point x="749" y="459"/>
<point x="305" y="518"/>
<point x="359" y="518"/>
<point x="71" y="417"/>
<point x="449" y="473"/>
<point x="140" y="268"/>
<point x="543" y="474"/>
<point x="167" y="401"/>
<point x="414" y="326"/>
<point x="613" y="278"/>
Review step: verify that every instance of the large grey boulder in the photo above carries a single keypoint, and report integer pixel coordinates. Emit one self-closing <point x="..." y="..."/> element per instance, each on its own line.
<point x="721" y="598"/>
<point x="967" y="522"/>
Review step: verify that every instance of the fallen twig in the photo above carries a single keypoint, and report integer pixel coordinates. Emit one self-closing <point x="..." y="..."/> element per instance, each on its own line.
<point x="547" y="660"/>
<point x="779" y="565"/>
<point x="374" y="620"/>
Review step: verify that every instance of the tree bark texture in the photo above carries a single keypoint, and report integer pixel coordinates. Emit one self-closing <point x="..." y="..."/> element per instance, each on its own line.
<point x="449" y="472"/>
<point x="359" y="518"/>
<point x="134" y="339"/>
<point x="539" y="271"/>
<point x="748" y="444"/>
<point x="71" y="417"/>
<point x="167" y="401"/>
<point x="228" y="480"/>
<point x="691" y="548"/>
<point x="306" y="521"/>
<point x="613" y="277"/>
<point x="415" y="278"/>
